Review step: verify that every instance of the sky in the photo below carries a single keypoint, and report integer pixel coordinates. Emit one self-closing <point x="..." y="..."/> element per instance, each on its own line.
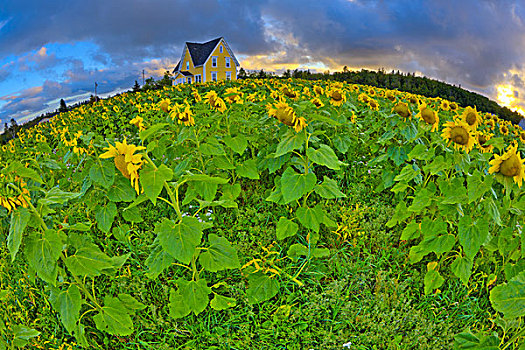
<point x="57" y="49"/>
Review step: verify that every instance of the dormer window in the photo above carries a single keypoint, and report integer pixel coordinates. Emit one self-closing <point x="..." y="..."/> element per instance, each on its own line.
<point x="188" y="65"/>
<point x="214" y="61"/>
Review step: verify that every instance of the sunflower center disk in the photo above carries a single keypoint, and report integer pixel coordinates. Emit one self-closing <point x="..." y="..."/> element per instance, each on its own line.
<point x="336" y="96"/>
<point x="285" y="116"/>
<point x="482" y="139"/>
<point x="402" y="110"/>
<point x="120" y="163"/>
<point x="471" y="118"/>
<point x="428" y="115"/>
<point x="459" y="135"/>
<point x="510" y="167"/>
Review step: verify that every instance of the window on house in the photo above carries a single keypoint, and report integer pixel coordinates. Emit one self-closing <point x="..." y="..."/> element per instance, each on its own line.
<point x="227" y="62"/>
<point x="228" y="75"/>
<point x="214" y="76"/>
<point x="220" y="48"/>
<point x="188" y="65"/>
<point x="214" y="61"/>
<point x="198" y="78"/>
<point x="189" y="80"/>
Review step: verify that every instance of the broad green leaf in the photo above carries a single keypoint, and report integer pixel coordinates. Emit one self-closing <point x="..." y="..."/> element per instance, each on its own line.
<point x="152" y="180"/>
<point x="294" y="185"/>
<point x="329" y="189"/>
<point x="472" y="234"/>
<point x="453" y="191"/>
<point x="492" y="208"/>
<point x="276" y="196"/>
<point x="22" y="171"/>
<point x="248" y="169"/>
<point x="509" y="298"/>
<point x="180" y="239"/>
<point x="205" y="178"/>
<point x="297" y="249"/>
<point x="238" y="143"/>
<point x="478" y="187"/>
<point x="411" y="231"/>
<point x="462" y="268"/>
<point x="157" y="261"/>
<point x="400" y="215"/>
<point x="286" y="228"/>
<point x="433" y="280"/>
<point x="436" y="166"/>
<point x="222" y="162"/>
<point x="289" y="142"/>
<point x="195" y="294"/>
<point x="132" y="215"/>
<point x="102" y="172"/>
<point x="89" y="261"/>
<point x="220" y="302"/>
<point x="57" y="196"/>
<point x="512" y="270"/>
<point x="42" y="252"/>
<point x="261" y="287"/>
<point x="206" y="190"/>
<point x="177" y="306"/>
<point x="114" y="318"/>
<point x="407" y="174"/>
<point x="310" y="217"/>
<point x="324" y="155"/>
<point x="105" y="215"/>
<point x="22" y="335"/>
<point x="67" y="303"/>
<point x="130" y="303"/>
<point x="212" y="150"/>
<point x="342" y="143"/>
<point x="152" y="130"/>
<point x="421" y="152"/>
<point x="274" y="164"/>
<point x="467" y="340"/>
<point x="422" y="200"/>
<point x="220" y="255"/>
<point x="19" y="219"/>
<point x="121" y="191"/>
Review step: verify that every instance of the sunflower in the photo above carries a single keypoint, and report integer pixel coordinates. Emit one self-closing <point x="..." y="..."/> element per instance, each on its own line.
<point x="460" y="134"/>
<point x="290" y="93"/>
<point x="482" y="139"/>
<point x="138" y="122"/>
<point x="428" y="115"/>
<point x="126" y="161"/>
<point x="183" y="114"/>
<point x="471" y="117"/>
<point x="453" y="106"/>
<point x="504" y="129"/>
<point x="317" y="102"/>
<point x="402" y="109"/>
<point x="444" y="105"/>
<point x="390" y="95"/>
<point x="286" y="115"/>
<point x="10" y="198"/>
<point x="233" y="95"/>
<point x="318" y="90"/>
<point x="490" y="124"/>
<point x="363" y="98"/>
<point x="337" y="97"/>
<point x="509" y="164"/>
<point x="164" y="105"/>
<point x="371" y="91"/>
<point x="413" y="99"/>
<point x="196" y="95"/>
<point x="215" y="101"/>
<point x="522" y="137"/>
<point x="373" y="104"/>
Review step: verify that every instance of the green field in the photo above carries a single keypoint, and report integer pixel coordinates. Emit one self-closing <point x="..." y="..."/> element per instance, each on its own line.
<point x="264" y="214"/>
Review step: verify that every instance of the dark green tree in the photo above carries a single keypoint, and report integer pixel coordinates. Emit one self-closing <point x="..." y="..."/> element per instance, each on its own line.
<point x="63" y="106"/>
<point x="136" y="87"/>
<point x="242" y="74"/>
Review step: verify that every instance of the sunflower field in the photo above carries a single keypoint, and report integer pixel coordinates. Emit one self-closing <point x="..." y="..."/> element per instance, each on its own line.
<point x="226" y="215"/>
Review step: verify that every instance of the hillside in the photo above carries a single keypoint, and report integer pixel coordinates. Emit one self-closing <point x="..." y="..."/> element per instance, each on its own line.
<point x="264" y="214"/>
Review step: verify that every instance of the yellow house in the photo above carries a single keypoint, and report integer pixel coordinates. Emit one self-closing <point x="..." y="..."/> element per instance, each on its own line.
<point x="209" y="61"/>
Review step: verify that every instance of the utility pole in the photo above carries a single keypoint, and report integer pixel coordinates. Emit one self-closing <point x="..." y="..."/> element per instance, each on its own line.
<point x="143" y="77"/>
<point x="96" y="89"/>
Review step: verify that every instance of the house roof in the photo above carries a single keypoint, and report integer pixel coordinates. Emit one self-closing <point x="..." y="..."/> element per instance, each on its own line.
<point x="186" y="73"/>
<point x="200" y="52"/>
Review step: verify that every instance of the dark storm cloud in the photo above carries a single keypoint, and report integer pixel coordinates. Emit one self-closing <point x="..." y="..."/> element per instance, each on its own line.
<point x="131" y="29"/>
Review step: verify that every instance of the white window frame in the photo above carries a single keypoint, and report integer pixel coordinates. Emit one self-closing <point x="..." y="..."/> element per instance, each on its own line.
<point x="228" y="75"/>
<point x="213" y="75"/>
<point x="189" y="80"/>
<point x="227" y="63"/>
<point x="220" y="49"/>
<point x="198" y="78"/>
<point x="214" y="60"/>
<point x="187" y="65"/>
